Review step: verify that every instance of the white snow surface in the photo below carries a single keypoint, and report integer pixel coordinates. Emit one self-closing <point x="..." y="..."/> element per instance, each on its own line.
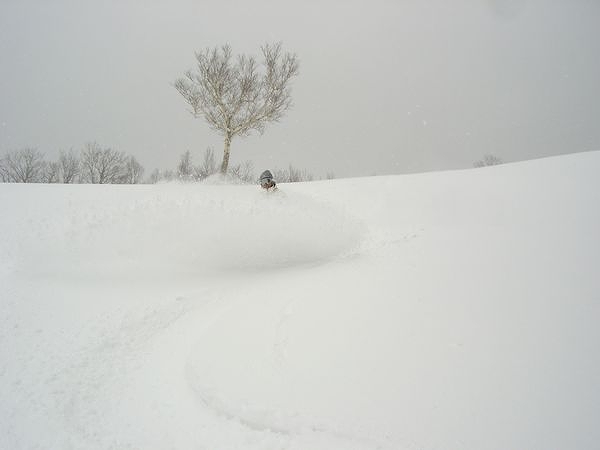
<point x="450" y="310"/>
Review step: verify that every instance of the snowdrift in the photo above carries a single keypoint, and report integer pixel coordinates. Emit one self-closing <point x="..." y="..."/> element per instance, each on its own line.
<point x="174" y="228"/>
<point x="433" y="311"/>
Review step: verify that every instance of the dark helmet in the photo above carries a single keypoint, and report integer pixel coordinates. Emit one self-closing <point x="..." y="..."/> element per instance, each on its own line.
<point x="266" y="177"/>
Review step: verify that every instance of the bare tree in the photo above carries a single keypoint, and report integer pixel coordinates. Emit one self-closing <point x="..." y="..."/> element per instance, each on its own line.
<point x="23" y="166"/>
<point x="4" y="177"/>
<point x="51" y="173"/>
<point x="185" y="168"/>
<point x="133" y="171"/>
<point x="488" y="160"/>
<point x="111" y="169"/>
<point x="155" y="176"/>
<point x="90" y="157"/>
<point x="102" y="166"/>
<point x="69" y="166"/>
<point x="233" y="97"/>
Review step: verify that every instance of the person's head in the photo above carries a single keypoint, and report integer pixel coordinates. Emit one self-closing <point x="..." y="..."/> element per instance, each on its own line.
<point x="266" y="180"/>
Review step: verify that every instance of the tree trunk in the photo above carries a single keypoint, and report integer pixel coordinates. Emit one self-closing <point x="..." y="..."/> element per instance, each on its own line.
<point x="225" y="163"/>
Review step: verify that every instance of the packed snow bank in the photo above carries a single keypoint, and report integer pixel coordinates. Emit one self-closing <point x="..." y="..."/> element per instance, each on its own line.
<point x="435" y="311"/>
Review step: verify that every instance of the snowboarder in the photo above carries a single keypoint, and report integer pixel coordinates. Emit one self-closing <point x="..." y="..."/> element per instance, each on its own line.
<point x="267" y="182"/>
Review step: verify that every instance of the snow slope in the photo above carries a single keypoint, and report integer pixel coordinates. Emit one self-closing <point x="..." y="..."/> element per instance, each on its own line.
<point x="452" y="310"/>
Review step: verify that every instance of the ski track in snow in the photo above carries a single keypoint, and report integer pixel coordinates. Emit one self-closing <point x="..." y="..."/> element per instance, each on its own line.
<point x="124" y="354"/>
<point x="295" y="431"/>
<point x="289" y="425"/>
<point x="110" y="361"/>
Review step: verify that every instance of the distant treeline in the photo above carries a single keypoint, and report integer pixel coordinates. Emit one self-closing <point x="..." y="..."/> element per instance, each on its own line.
<point x="97" y="165"/>
<point x="91" y="164"/>
<point x="244" y="172"/>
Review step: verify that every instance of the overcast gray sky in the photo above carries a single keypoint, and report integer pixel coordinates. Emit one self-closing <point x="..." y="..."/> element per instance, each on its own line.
<point x="384" y="86"/>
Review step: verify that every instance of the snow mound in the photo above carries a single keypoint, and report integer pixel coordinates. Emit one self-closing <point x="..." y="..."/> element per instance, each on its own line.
<point x="195" y="229"/>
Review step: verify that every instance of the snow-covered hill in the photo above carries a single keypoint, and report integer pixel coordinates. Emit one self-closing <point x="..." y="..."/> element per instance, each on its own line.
<point x="452" y="310"/>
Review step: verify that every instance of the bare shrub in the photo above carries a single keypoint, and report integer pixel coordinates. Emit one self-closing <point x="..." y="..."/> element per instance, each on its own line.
<point x="185" y="168"/>
<point x="292" y="175"/>
<point x="159" y="175"/>
<point x="488" y="160"/>
<point x="208" y="166"/>
<point x="243" y="172"/>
